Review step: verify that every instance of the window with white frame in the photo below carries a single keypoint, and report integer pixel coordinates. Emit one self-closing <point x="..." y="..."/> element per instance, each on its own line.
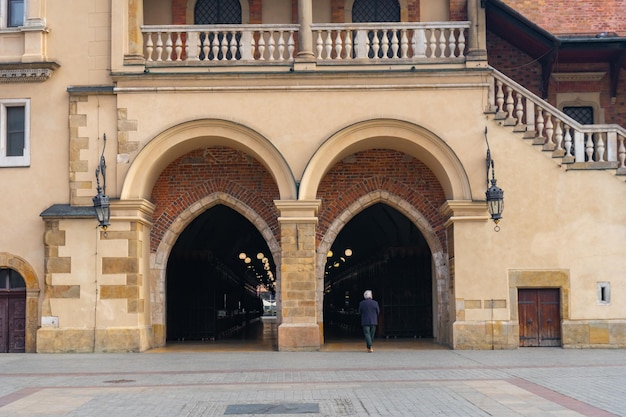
<point x="11" y="13"/>
<point x="14" y="133"/>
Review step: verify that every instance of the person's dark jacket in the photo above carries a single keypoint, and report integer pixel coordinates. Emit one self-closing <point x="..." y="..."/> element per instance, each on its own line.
<point x="369" y="311"/>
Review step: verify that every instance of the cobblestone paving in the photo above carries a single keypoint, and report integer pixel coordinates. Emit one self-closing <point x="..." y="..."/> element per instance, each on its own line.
<point x="541" y="382"/>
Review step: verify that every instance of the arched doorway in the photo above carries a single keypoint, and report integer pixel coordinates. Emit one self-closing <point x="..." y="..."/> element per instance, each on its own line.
<point x="219" y="273"/>
<point x="12" y="312"/>
<point x="379" y="249"/>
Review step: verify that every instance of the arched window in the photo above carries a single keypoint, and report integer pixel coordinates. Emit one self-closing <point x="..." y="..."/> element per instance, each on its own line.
<point x="375" y="11"/>
<point x="217" y="12"/>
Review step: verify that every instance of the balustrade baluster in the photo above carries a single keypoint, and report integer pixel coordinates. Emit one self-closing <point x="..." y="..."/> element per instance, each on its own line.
<point x="589" y="147"/>
<point x="621" y="153"/>
<point x="271" y="46"/>
<point x="159" y="47"/>
<point x="567" y="140"/>
<point x="558" y="139"/>
<point x="395" y="44"/>
<point x="149" y="47"/>
<point x="234" y="47"/>
<point x="291" y="45"/>
<point x="168" y="47"/>
<point x="375" y="45"/>
<point x="600" y="148"/>
<point x="348" y="44"/>
<point x="338" y="45"/>
<point x="540" y="139"/>
<point x="461" y="43"/>
<point x="261" y="46"/>
<point x="442" y="43"/>
<point x="404" y="44"/>
<point x="549" y="145"/>
<point x="206" y="46"/>
<point x="319" y="44"/>
<point x="510" y="120"/>
<point x="328" y="45"/>
<point x="281" y="46"/>
<point x="432" y="44"/>
<point x="179" y="46"/>
<point x="519" y="114"/>
<point x="500" y="114"/>
<point x="224" y="45"/>
<point x="385" y="45"/>
<point x="452" y="44"/>
<point x="215" y="47"/>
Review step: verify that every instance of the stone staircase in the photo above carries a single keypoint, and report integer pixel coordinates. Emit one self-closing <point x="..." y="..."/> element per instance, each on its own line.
<point x="574" y="146"/>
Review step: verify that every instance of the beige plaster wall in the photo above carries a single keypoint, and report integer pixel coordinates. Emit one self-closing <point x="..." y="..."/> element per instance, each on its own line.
<point x="434" y="10"/>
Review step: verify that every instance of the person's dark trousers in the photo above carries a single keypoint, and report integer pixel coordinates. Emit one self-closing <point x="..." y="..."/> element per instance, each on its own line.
<point x="369" y="331"/>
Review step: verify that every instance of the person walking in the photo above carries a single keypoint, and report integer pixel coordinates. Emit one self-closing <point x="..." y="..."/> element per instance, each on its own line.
<point x="369" y="311"/>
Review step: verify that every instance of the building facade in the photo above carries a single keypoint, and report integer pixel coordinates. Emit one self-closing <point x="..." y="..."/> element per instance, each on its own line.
<point x="314" y="149"/>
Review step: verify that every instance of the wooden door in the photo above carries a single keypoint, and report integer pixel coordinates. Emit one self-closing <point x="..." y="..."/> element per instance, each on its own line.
<point x="12" y="321"/>
<point x="539" y="317"/>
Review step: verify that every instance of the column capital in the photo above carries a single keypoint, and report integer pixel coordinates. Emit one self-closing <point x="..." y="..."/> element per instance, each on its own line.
<point x="463" y="211"/>
<point x="298" y="211"/>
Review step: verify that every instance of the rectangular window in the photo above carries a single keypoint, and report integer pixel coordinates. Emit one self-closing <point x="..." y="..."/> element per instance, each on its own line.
<point x="15" y="15"/>
<point x="14" y="133"/>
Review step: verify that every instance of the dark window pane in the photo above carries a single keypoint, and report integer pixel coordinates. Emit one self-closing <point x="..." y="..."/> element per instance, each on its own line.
<point x="15" y="131"/>
<point x="4" y="279"/>
<point x="16" y="13"/>
<point x="217" y="12"/>
<point x="375" y="11"/>
<point x="16" y="280"/>
<point x="583" y="115"/>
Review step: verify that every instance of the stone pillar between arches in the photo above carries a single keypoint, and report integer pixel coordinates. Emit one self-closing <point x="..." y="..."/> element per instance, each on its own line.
<point x="298" y="329"/>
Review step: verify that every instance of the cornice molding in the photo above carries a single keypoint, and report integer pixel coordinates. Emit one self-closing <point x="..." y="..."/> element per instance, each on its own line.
<point x="26" y="72"/>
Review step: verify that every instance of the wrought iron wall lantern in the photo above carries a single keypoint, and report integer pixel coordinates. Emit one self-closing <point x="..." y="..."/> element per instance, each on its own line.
<point x="101" y="200"/>
<point x="494" y="194"/>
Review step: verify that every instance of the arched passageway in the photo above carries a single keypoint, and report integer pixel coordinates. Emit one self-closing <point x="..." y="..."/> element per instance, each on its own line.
<point x="219" y="273"/>
<point x="379" y="249"/>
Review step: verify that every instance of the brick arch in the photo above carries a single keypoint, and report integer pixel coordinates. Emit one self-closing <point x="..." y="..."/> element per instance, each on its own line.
<point x="178" y="140"/>
<point x="202" y="172"/>
<point x="381" y="170"/>
<point x="27" y="272"/>
<point x="400" y="181"/>
<point x="402" y="136"/>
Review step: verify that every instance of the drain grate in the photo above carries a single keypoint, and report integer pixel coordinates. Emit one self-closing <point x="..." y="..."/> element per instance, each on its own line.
<point x="282" y="408"/>
<point x="119" y="381"/>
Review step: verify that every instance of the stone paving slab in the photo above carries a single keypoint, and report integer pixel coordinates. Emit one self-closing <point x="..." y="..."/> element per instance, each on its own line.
<point x="525" y="382"/>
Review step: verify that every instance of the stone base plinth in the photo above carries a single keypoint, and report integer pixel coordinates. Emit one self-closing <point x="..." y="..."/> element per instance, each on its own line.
<point x="55" y="340"/>
<point x="485" y="335"/>
<point x="298" y="337"/>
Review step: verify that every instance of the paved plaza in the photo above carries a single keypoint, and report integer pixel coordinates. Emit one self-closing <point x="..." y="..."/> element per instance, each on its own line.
<point x="396" y="380"/>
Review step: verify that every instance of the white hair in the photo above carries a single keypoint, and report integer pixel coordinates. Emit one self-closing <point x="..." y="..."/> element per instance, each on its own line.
<point x="367" y="294"/>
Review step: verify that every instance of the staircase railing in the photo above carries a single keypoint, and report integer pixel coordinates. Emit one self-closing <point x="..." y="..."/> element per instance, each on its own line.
<point x="579" y="146"/>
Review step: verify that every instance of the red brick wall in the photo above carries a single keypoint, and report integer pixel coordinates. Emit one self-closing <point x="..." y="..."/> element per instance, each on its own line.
<point x="179" y="12"/>
<point x="205" y="171"/>
<point x="524" y="70"/>
<point x="381" y="169"/>
<point x="514" y="63"/>
<point x="256" y="12"/>
<point x="568" y="16"/>
<point x="414" y="10"/>
<point x="458" y="10"/>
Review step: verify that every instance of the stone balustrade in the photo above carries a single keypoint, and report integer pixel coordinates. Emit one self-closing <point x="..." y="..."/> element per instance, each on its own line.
<point x="581" y="146"/>
<point x="368" y="43"/>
